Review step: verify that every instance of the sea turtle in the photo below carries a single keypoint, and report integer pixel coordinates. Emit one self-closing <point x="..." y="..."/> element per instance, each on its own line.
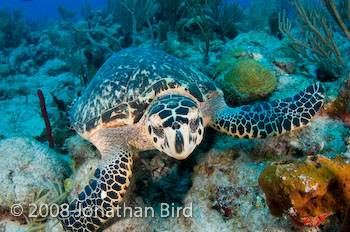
<point x="143" y="99"/>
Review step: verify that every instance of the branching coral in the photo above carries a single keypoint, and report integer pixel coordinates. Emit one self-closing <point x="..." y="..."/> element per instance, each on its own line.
<point x="131" y="14"/>
<point x="194" y="9"/>
<point x="317" y="32"/>
<point x="150" y="10"/>
<point x="65" y="13"/>
<point x="170" y="9"/>
<point x="342" y="17"/>
<point x="225" y="15"/>
<point x="93" y="42"/>
<point x="12" y="29"/>
<point x="40" y="198"/>
<point x="85" y="10"/>
<point x="259" y="11"/>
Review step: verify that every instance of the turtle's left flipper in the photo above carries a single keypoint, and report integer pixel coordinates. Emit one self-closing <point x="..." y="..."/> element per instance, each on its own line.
<point x="104" y="192"/>
<point x="271" y="118"/>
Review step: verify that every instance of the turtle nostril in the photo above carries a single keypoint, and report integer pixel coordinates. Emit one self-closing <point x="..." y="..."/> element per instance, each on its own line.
<point x="175" y="126"/>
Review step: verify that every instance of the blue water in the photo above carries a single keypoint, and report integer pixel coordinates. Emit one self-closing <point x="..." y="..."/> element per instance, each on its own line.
<point x="40" y="11"/>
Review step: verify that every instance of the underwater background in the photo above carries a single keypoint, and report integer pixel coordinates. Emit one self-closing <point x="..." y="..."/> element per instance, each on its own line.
<point x="256" y="51"/>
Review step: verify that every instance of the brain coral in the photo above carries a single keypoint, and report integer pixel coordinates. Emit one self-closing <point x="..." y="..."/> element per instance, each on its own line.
<point x="246" y="79"/>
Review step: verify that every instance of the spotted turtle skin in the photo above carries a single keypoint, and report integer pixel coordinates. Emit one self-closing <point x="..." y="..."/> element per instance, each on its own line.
<point x="270" y="118"/>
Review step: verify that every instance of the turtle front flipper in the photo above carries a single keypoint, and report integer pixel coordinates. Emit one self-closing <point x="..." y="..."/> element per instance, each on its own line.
<point x="270" y="118"/>
<point x="105" y="191"/>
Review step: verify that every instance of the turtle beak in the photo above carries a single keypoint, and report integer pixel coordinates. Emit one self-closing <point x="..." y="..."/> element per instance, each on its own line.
<point x="181" y="138"/>
<point x="179" y="142"/>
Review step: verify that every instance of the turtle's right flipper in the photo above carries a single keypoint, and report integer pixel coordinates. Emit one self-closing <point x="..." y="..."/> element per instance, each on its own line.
<point x="98" y="201"/>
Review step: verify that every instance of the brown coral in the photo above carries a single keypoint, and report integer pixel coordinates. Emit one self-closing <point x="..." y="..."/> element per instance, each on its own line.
<point x="308" y="189"/>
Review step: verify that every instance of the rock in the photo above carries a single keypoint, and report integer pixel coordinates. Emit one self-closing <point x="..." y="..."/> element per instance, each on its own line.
<point x="54" y="67"/>
<point x="308" y="189"/>
<point x="85" y="160"/>
<point x="287" y="65"/>
<point x="323" y="135"/>
<point x="10" y="225"/>
<point x="26" y="167"/>
<point x="3" y="94"/>
<point x="18" y="55"/>
<point x="82" y="176"/>
<point x="27" y="67"/>
<point x="224" y="196"/>
<point x="80" y="150"/>
<point x="286" y="52"/>
<point x="341" y="106"/>
<point x="259" y="40"/>
<point x="44" y="51"/>
<point x="4" y="70"/>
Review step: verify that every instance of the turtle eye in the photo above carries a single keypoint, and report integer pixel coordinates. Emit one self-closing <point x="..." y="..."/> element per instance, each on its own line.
<point x="194" y="124"/>
<point x="158" y="131"/>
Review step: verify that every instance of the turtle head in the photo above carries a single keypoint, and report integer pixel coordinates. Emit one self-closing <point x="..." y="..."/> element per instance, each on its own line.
<point x="175" y="125"/>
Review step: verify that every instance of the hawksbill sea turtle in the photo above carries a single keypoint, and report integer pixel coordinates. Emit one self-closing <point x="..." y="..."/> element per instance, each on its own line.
<point x="144" y="99"/>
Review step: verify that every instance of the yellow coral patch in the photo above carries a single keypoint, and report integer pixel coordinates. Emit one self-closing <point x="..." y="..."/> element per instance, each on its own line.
<point x="309" y="187"/>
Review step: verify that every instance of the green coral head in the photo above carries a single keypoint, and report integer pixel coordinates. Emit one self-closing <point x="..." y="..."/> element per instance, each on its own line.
<point x="246" y="79"/>
<point x="250" y="77"/>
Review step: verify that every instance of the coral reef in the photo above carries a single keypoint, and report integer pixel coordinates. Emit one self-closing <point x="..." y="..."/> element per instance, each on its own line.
<point x="219" y="181"/>
<point x="246" y="79"/>
<point x="307" y="189"/>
